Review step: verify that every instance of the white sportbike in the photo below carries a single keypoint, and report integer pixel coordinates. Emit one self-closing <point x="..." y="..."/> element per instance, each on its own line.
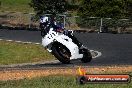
<point x="64" y="46"/>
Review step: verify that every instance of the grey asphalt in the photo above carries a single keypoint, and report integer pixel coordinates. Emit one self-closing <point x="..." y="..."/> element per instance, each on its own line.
<point x="116" y="49"/>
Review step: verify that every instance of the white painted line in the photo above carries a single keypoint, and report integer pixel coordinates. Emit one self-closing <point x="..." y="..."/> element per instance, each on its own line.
<point x="98" y="53"/>
<point x="9" y="40"/>
<point x="1" y="39"/>
<point x="37" y="43"/>
<point x="27" y="42"/>
<point x="21" y="42"/>
<point x="18" y="41"/>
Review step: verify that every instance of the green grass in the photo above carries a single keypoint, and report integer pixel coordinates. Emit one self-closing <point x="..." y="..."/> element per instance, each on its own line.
<point x="12" y="53"/>
<point x="56" y="82"/>
<point x="16" y="5"/>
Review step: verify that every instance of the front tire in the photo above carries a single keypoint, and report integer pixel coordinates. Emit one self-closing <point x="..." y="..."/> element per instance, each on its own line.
<point x="87" y="57"/>
<point x="61" y="52"/>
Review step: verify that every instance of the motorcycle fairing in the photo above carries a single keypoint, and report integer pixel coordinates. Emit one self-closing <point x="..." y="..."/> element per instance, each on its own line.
<point x="65" y="40"/>
<point x="53" y="36"/>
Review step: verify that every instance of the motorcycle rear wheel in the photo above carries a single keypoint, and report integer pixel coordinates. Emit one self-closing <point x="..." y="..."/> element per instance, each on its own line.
<point x="87" y="57"/>
<point x="61" y="52"/>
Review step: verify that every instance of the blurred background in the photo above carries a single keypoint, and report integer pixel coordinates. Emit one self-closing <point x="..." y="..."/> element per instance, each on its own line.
<point x="19" y="14"/>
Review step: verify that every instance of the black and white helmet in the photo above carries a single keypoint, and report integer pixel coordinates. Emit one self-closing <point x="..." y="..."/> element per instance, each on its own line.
<point x="44" y="19"/>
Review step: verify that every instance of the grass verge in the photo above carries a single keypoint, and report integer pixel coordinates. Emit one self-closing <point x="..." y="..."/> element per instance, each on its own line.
<point x="57" y="82"/>
<point x="14" y="53"/>
<point x="16" y="5"/>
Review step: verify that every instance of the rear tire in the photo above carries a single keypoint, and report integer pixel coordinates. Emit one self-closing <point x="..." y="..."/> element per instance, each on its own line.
<point x="61" y="52"/>
<point x="87" y="57"/>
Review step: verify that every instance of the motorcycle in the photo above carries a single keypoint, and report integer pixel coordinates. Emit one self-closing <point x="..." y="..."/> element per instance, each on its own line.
<point x="63" y="44"/>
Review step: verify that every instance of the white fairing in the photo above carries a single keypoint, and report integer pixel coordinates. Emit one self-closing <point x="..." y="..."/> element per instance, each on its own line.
<point x="49" y="38"/>
<point x="63" y="39"/>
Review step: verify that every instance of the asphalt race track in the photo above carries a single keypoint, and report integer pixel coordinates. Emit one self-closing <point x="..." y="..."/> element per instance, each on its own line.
<point x="116" y="49"/>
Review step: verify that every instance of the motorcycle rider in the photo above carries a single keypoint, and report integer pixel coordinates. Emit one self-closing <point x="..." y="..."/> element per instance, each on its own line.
<point x="46" y="23"/>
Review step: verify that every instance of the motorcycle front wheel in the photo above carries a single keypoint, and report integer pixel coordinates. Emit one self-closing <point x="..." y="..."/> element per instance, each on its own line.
<point x="61" y="52"/>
